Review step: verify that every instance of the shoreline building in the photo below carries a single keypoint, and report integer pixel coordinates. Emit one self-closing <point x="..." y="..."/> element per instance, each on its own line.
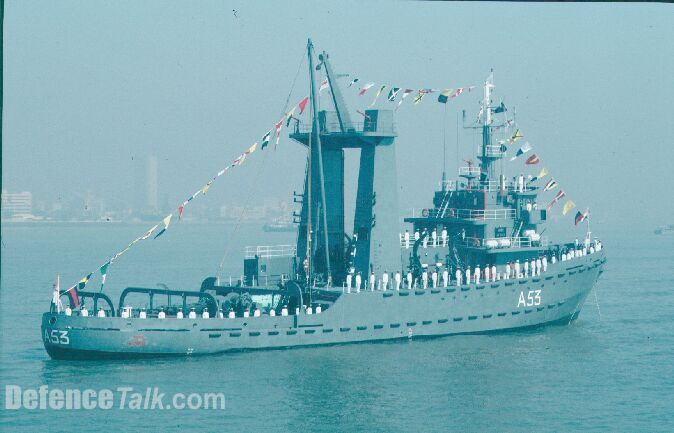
<point x="17" y="205"/>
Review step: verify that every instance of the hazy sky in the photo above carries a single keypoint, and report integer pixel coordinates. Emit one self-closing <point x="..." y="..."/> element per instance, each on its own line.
<point x="91" y="88"/>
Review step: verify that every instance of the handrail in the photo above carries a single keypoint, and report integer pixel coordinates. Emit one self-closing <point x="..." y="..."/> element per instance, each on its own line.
<point x="267" y="251"/>
<point x="468" y="170"/>
<point x="93" y="295"/>
<point x="495" y="243"/>
<point x="498" y="243"/>
<point x="471" y="214"/>
<point x="184" y="294"/>
<point x="353" y="127"/>
<point x="491" y="150"/>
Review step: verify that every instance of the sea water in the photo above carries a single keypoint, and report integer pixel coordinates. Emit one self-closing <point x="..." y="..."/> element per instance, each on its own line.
<point x="611" y="370"/>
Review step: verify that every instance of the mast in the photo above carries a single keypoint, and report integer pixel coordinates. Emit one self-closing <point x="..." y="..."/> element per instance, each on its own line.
<point x="488" y="155"/>
<point x="315" y="134"/>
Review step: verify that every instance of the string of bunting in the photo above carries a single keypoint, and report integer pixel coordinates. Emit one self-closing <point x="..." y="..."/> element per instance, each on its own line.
<point x="551" y="184"/>
<point x="161" y="227"/>
<point x="393" y="91"/>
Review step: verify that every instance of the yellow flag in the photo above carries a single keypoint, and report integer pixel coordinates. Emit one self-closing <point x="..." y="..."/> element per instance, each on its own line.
<point x="205" y="188"/>
<point x="381" y="89"/>
<point x="542" y="173"/>
<point x="251" y="149"/>
<point x="568" y="206"/>
<point x="516" y="136"/>
<point x="167" y="221"/>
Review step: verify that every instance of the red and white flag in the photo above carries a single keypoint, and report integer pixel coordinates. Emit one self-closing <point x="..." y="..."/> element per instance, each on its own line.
<point x="365" y="88"/>
<point x="533" y="159"/>
<point x="406" y="93"/>
<point x="278" y="127"/>
<point x="303" y="104"/>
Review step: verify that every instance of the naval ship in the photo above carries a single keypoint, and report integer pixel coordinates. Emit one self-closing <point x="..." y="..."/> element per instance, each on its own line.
<point x="474" y="261"/>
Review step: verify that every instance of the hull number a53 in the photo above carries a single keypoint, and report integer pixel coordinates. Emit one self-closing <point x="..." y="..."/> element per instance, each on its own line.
<point x="55" y="336"/>
<point x="532" y="298"/>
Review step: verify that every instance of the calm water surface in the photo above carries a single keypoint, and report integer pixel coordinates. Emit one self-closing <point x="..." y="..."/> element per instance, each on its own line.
<point x="612" y="370"/>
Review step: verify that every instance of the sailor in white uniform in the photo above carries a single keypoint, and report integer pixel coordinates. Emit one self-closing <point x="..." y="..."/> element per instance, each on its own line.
<point x="517" y="269"/>
<point x="358" y="282"/>
<point x="544" y="263"/>
<point x="477" y="274"/>
<point x="458" y="276"/>
<point x="444" y="237"/>
<point x="424" y="278"/>
<point x="469" y="277"/>
<point x="434" y="279"/>
<point x="526" y="268"/>
<point x="445" y="278"/>
<point x="507" y="271"/>
<point x="539" y="266"/>
<point x="493" y="272"/>
<point x="384" y="281"/>
<point x="409" y="280"/>
<point x="487" y="272"/>
<point x="434" y="236"/>
<point x="373" y="280"/>
<point x="397" y="280"/>
<point x="533" y="267"/>
<point x="407" y="239"/>
<point x="349" y="280"/>
<point x="416" y="235"/>
<point x="425" y="240"/>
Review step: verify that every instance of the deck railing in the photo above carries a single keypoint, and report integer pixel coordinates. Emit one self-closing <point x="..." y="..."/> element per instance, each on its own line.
<point x="495" y="243"/>
<point x="353" y="127"/>
<point x="472" y="214"/>
<point x="267" y="251"/>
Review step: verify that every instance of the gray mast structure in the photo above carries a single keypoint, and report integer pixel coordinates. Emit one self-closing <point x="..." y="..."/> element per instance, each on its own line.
<point x="371" y="248"/>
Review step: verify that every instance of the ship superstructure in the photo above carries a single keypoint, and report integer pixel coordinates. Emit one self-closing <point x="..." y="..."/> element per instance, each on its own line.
<point x="475" y="261"/>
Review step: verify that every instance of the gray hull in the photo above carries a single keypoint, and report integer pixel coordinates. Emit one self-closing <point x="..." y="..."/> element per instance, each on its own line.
<point x="556" y="296"/>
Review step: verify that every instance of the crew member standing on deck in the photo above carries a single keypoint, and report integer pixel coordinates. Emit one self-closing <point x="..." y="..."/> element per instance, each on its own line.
<point x="349" y="278"/>
<point x="468" y="275"/>
<point x="444" y="237"/>
<point x="409" y="280"/>
<point x="445" y="277"/>
<point x="434" y="278"/>
<point x="477" y="274"/>
<point x="384" y="280"/>
<point x="487" y="272"/>
<point x="416" y="235"/>
<point x="425" y="239"/>
<point x="397" y="280"/>
<point x="507" y="271"/>
<point x="434" y="236"/>
<point x="517" y="269"/>
<point x="373" y="280"/>
<point x="407" y="239"/>
<point x="358" y="282"/>
<point x="526" y="268"/>
<point x="458" y="276"/>
<point x="493" y="272"/>
<point x="424" y="278"/>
